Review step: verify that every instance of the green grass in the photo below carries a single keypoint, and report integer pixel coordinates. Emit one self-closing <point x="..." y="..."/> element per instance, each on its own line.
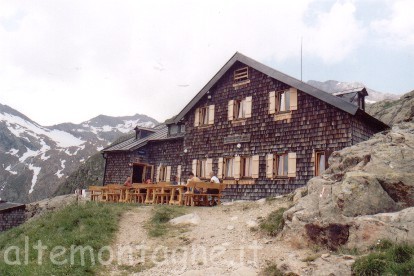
<point x="158" y="225"/>
<point x="271" y="270"/>
<point x="274" y="222"/>
<point x="386" y="258"/>
<point x="83" y="225"/>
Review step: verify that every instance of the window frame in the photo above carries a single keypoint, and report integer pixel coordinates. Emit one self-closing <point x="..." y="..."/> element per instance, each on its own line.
<point x="286" y="103"/>
<point x="225" y="169"/>
<point x="281" y="159"/>
<point x="318" y="154"/>
<point x="243" y="167"/>
<point x="203" y="114"/>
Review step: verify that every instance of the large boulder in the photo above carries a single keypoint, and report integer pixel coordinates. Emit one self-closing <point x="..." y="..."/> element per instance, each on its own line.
<point x="350" y="203"/>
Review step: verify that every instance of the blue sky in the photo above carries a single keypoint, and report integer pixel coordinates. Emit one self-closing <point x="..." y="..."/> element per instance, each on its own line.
<point x="67" y="61"/>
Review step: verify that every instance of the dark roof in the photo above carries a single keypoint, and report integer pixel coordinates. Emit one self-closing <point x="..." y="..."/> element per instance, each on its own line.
<point x="9" y="206"/>
<point x="160" y="134"/>
<point x="360" y="90"/>
<point x="302" y="86"/>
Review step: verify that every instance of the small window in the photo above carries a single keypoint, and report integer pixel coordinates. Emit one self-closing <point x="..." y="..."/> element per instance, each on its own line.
<point x="201" y="168"/>
<point x="182" y="128"/>
<point x="320" y="161"/>
<point x="281" y="165"/>
<point x="246" y="167"/>
<point x="229" y="167"/>
<point x="203" y="116"/>
<point x="241" y="74"/>
<point x="239" y="109"/>
<point x="174" y="129"/>
<point x="163" y="173"/>
<point x="283" y="101"/>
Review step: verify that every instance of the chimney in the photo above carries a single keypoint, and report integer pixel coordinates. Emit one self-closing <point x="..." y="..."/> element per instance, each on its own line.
<point x="137" y="133"/>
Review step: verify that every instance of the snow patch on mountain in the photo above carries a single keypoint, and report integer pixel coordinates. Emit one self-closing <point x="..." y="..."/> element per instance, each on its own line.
<point x="19" y="126"/>
<point x="59" y="172"/>
<point x="36" y="171"/>
<point x="8" y="168"/>
<point x="12" y="151"/>
<point x="29" y="153"/>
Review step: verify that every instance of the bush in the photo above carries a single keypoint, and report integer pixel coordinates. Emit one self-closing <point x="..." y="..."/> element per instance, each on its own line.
<point x="274" y="222"/>
<point x="388" y="259"/>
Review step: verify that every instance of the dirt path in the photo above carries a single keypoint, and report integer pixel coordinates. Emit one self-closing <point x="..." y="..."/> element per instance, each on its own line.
<point x="224" y="242"/>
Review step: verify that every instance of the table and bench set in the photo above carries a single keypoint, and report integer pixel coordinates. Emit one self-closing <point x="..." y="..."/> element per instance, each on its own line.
<point x="191" y="194"/>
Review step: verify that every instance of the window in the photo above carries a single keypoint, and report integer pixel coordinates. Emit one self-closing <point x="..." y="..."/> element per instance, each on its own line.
<point x="241" y="74"/>
<point x="246" y="167"/>
<point x="320" y="161"/>
<point x="162" y="174"/>
<point x="202" y="168"/>
<point x="240" y="109"/>
<point x="281" y="165"/>
<point x="204" y="116"/>
<point x="174" y="129"/>
<point x="283" y="101"/>
<point x="229" y="167"/>
<point x="182" y="128"/>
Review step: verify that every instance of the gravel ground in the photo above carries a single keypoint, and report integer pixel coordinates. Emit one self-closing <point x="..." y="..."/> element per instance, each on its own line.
<point x="224" y="242"/>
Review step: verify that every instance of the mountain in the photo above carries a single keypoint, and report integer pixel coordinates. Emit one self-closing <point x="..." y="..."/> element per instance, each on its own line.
<point x="332" y="86"/>
<point x="35" y="159"/>
<point x="393" y="112"/>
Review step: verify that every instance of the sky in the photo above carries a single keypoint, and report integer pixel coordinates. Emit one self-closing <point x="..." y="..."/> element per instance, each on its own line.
<point x="69" y="61"/>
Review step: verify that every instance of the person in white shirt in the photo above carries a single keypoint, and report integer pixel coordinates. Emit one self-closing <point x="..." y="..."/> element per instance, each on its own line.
<point x="213" y="178"/>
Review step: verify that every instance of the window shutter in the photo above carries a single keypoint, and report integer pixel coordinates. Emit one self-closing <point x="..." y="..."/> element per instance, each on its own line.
<point x="194" y="167"/>
<point x="168" y="177"/>
<point x="179" y="174"/>
<point x="269" y="165"/>
<point x="292" y="164"/>
<point x="248" y="107"/>
<point x="236" y="167"/>
<point x="220" y="168"/>
<point x="197" y="117"/>
<point x="211" y="114"/>
<point x="272" y="102"/>
<point x="157" y="179"/>
<point x="293" y="98"/>
<point x="209" y="166"/>
<point x="255" y="166"/>
<point x="230" y="114"/>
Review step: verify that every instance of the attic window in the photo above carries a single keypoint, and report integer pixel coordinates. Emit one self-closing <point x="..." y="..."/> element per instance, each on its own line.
<point x="241" y="74"/>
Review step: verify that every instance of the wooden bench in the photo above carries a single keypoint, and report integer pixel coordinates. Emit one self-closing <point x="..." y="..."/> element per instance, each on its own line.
<point x="96" y="193"/>
<point x="203" y="194"/>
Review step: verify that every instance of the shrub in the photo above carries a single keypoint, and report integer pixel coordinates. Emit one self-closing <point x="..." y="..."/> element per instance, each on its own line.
<point x="274" y="222"/>
<point x="388" y="259"/>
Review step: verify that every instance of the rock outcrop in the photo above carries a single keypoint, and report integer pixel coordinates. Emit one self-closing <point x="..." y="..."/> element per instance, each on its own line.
<point x="394" y="111"/>
<point x="365" y="195"/>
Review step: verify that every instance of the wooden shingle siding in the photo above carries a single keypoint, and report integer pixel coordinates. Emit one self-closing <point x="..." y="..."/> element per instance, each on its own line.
<point x="262" y="134"/>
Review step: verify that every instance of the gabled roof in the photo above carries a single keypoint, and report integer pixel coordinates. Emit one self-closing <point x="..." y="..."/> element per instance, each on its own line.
<point x="160" y="134"/>
<point x="9" y="206"/>
<point x="304" y="87"/>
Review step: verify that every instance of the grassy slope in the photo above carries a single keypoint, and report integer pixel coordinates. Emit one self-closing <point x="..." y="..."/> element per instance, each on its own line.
<point x="88" y="224"/>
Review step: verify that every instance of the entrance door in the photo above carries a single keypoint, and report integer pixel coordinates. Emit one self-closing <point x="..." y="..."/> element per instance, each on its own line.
<point x="138" y="173"/>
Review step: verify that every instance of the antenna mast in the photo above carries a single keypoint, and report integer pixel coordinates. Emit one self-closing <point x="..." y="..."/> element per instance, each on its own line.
<point x="301" y="40"/>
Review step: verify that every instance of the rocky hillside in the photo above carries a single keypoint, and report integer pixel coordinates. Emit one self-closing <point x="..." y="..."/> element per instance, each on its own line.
<point x="35" y="159"/>
<point x="394" y="111"/>
<point x="332" y="86"/>
<point x="366" y="195"/>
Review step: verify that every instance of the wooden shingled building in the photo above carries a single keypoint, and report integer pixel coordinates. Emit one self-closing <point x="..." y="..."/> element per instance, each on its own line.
<point x="260" y="131"/>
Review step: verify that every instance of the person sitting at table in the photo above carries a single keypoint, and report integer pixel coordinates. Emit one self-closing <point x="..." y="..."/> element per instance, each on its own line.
<point x="213" y="178"/>
<point x="148" y="181"/>
<point x="174" y="180"/>
<point x="192" y="178"/>
<point x="128" y="182"/>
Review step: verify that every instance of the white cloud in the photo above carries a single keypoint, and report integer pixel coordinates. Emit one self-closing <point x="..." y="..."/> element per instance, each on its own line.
<point x="398" y="28"/>
<point x="73" y="60"/>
